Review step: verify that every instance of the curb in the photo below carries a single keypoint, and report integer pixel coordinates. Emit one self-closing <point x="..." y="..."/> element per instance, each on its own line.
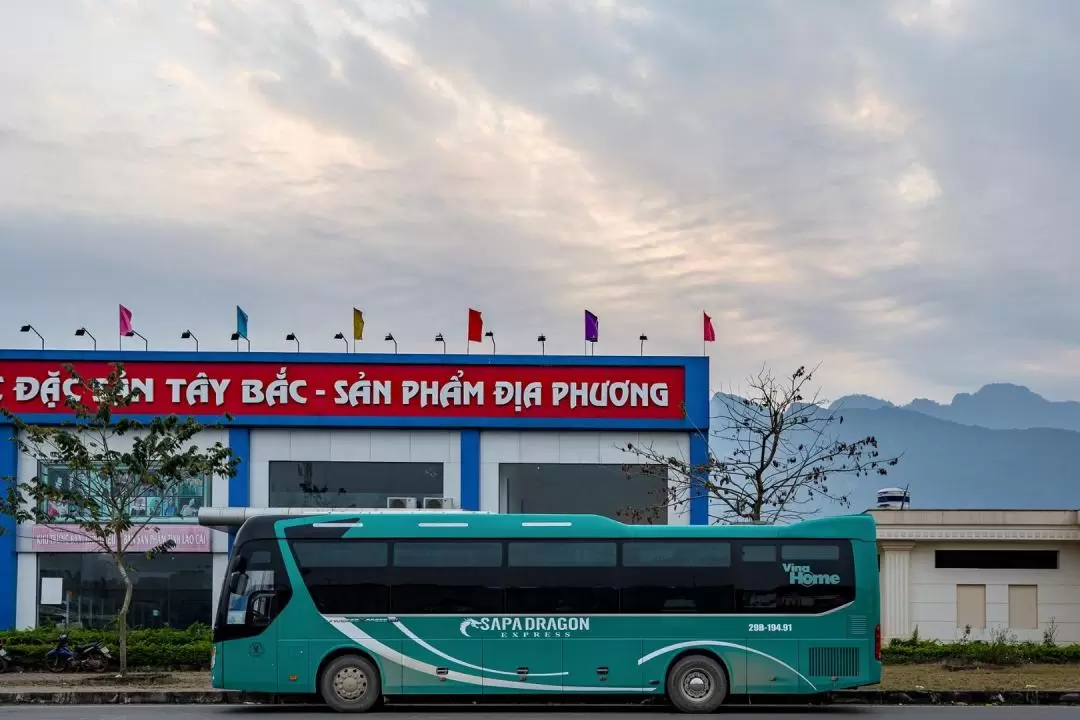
<point x="846" y="697"/>
<point x="124" y="697"/>
<point x="955" y="697"/>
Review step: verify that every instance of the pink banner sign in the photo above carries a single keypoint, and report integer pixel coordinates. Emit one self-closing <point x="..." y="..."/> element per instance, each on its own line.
<point x="188" y="539"/>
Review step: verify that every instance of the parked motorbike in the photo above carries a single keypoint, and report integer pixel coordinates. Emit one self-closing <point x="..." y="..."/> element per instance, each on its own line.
<point x="93" y="656"/>
<point x="9" y="658"/>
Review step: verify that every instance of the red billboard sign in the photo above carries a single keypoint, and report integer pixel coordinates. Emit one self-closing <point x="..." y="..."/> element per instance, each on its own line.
<point x="364" y="390"/>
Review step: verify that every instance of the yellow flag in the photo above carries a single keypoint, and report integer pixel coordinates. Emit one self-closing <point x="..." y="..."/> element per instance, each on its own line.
<point x="357" y="324"/>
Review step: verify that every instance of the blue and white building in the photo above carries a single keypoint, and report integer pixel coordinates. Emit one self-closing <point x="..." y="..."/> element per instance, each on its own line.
<point x="541" y="434"/>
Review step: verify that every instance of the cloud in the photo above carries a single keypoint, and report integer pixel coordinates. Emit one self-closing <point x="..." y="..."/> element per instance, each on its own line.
<point x="884" y="187"/>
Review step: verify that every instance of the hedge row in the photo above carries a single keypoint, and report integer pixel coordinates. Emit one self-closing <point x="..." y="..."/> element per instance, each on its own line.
<point x="158" y="649"/>
<point x="167" y="649"/>
<point x="995" y="652"/>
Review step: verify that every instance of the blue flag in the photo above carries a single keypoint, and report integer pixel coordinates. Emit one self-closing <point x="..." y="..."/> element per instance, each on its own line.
<point x="241" y="323"/>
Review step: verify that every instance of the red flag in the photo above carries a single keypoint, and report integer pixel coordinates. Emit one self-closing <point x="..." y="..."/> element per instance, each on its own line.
<point x="710" y="333"/>
<point x="476" y="326"/>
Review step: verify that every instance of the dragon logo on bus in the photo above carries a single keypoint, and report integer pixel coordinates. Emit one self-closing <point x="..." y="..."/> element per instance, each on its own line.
<point x="804" y="576"/>
<point x="526" y="627"/>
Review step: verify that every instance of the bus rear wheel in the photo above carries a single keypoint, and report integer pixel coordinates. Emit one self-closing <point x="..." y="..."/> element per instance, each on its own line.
<point x="697" y="684"/>
<point x="350" y="683"/>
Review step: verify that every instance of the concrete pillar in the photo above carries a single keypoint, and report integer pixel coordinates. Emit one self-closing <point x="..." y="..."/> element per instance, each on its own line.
<point x="895" y="589"/>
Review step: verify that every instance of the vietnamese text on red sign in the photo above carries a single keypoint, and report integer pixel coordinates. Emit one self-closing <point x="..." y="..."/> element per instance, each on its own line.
<point x="306" y="389"/>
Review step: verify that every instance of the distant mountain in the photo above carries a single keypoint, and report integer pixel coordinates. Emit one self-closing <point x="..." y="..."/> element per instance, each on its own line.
<point x="1001" y="406"/>
<point x="860" y="402"/>
<point x="955" y="464"/>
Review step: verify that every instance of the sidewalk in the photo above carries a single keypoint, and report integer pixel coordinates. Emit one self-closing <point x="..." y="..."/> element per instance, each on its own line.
<point x="193" y="688"/>
<point x="102" y="689"/>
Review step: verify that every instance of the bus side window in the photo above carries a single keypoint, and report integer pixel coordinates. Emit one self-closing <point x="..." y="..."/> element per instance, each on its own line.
<point x="345" y="577"/>
<point x="795" y="576"/>
<point x="800" y="552"/>
<point x="677" y="576"/>
<point x="758" y="553"/>
<point x="562" y="577"/>
<point x="457" y="577"/>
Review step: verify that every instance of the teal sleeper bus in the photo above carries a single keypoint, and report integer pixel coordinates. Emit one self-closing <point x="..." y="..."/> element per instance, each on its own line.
<point x="358" y="606"/>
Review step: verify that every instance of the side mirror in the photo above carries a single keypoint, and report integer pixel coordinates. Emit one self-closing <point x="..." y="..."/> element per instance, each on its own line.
<point x="238" y="583"/>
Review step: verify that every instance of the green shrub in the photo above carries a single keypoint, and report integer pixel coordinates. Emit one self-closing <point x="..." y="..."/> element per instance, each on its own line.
<point x="158" y="649"/>
<point x="1001" y="649"/>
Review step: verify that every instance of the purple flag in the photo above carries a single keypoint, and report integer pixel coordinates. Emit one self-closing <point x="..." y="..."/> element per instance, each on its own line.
<point x="592" y="327"/>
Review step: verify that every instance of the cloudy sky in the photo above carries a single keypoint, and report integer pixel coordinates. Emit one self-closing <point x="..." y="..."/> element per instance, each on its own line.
<point x="888" y="188"/>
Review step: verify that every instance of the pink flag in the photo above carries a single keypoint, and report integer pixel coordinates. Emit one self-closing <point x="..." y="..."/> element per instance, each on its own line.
<point x="125" y="322"/>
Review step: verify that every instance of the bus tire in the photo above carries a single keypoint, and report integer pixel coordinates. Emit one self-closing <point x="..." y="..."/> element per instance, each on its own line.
<point x="697" y="684"/>
<point x="350" y="683"/>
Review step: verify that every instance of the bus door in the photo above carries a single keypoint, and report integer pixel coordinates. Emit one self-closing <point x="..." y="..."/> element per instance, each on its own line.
<point x="257" y="589"/>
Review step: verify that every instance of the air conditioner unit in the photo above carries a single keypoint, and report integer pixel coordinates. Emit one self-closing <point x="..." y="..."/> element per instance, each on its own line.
<point x="438" y="503"/>
<point x="401" y="503"/>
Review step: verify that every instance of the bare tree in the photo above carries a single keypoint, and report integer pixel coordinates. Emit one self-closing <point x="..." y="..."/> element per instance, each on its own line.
<point x="97" y="487"/>
<point x="782" y="453"/>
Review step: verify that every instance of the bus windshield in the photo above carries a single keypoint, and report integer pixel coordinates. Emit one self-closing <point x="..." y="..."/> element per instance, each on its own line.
<point x="256" y="587"/>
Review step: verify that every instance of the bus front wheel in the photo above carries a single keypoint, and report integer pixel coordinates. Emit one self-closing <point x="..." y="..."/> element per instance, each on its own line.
<point x="350" y="683"/>
<point x="697" y="684"/>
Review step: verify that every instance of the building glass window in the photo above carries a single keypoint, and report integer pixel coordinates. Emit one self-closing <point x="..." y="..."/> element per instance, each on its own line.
<point x="84" y="590"/>
<point x="352" y="484"/>
<point x="181" y="505"/>
<point x="634" y="494"/>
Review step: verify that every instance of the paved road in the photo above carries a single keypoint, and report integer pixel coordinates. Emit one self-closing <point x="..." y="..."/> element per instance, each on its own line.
<point x="157" y="712"/>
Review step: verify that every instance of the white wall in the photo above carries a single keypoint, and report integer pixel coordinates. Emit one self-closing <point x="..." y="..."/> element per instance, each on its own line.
<point x="353" y="446"/>
<point x="535" y="446"/>
<point x="932" y="592"/>
<point x="26" y="592"/>
<point x="221" y="566"/>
